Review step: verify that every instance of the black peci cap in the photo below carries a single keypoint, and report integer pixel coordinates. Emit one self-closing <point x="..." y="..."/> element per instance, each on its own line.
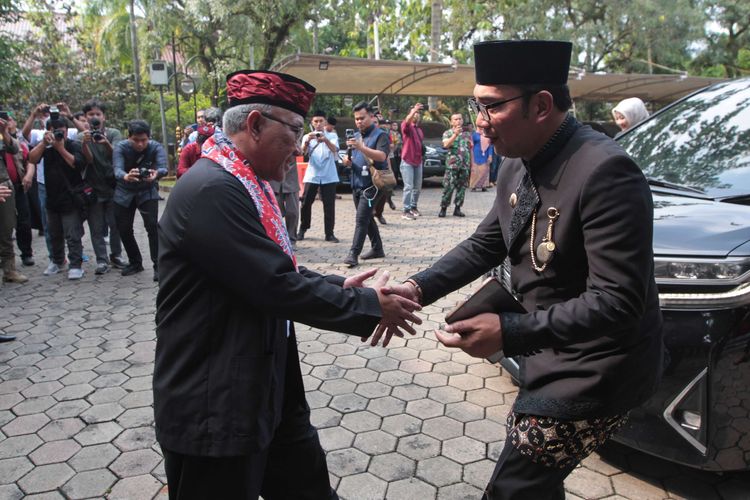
<point x="522" y="62"/>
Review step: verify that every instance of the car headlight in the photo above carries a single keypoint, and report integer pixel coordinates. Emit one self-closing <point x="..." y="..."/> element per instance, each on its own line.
<point x="727" y="282"/>
<point x="694" y="270"/>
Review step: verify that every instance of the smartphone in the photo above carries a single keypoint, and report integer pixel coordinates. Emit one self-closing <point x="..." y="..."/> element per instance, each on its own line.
<point x="4" y="115"/>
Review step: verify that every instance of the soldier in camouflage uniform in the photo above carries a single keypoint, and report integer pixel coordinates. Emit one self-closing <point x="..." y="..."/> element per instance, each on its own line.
<point x="458" y="168"/>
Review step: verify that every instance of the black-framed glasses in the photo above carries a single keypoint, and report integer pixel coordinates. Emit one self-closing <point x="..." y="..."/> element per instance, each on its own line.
<point x="297" y="131"/>
<point x="476" y="108"/>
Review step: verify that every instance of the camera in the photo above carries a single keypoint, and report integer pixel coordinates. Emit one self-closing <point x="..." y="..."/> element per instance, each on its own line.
<point x="144" y="172"/>
<point x="54" y="113"/>
<point x="59" y="134"/>
<point x="318" y="134"/>
<point x="4" y="115"/>
<point x="96" y="133"/>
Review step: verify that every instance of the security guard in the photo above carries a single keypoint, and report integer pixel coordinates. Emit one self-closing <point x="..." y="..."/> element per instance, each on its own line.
<point x="573" y="215"/>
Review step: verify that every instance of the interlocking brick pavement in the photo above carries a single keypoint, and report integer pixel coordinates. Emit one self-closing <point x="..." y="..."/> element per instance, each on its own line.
<point x="413" y="421"/>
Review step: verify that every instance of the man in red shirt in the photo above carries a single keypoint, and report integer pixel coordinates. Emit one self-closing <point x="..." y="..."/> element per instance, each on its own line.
<point x="411" y="161"/>
<point x="192" y="151"/>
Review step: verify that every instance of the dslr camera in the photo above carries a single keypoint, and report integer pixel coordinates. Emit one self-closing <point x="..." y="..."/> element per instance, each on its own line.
<point x="144" y="172"/>
<point x="96" y="133"/>
<point x="54" y="113"/>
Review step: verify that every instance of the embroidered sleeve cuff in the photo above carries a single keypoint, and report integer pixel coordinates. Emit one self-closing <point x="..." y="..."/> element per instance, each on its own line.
<point x="515" y="341"/>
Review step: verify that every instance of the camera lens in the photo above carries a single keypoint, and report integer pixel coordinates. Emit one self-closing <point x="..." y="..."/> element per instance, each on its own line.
<point x="59" y="135"/>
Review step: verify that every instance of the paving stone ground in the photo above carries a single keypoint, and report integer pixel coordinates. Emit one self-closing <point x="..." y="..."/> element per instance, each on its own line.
<point x="414" y="421"/>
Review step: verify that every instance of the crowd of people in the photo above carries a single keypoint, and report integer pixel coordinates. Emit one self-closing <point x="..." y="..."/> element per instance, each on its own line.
<point x="65" y="169"/>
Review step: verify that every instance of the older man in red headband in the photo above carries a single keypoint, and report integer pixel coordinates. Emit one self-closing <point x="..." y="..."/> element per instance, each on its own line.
<point x="229" y="402"/>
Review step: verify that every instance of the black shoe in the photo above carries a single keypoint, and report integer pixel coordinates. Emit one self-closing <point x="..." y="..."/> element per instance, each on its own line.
<point x="131" y="269"/>
<point x="117" y="262"/>
<point x="7" y="338"/>
<point x="351" y="260"/>
<point x="301" y="234"/>
<point x="156" y="275"/>
<point x="442" y="212"/>
<point x="332" y="238"/>
<point x="381" y="219"/>
<point x="27" y="261"/>
<point x="458" y="213"/>
<point x="391" y="204"/>
<point x="373" y="254"/>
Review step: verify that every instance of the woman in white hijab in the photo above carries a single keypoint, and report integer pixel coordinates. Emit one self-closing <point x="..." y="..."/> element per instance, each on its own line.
<point x="629" y="112"/>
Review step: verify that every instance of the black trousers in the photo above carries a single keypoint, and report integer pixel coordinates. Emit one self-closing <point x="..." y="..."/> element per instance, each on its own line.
<point x="292" y="468"/>
<point x="125" y="216"/>
<point x="23" y="221"/>
<point x="516" y="477"/>
<point x="328" y="195"/>
<point x="365" y="225"/>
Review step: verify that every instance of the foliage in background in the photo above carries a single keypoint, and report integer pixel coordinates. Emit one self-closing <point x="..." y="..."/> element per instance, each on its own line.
<point x="94" y="57"/>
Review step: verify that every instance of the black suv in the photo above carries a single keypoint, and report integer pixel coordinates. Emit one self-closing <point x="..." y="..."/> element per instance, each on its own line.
<point x="696" y="155"/>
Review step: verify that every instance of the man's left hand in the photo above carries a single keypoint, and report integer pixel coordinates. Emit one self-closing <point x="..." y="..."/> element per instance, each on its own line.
<point x="480" y="336"/>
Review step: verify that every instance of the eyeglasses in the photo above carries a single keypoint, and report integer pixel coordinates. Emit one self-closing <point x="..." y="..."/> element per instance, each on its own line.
<point x="476" y="108"/>
<point x="297" y="131"/>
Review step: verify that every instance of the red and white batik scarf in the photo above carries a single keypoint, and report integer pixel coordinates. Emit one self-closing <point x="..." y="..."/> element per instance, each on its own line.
<point x="220" y="149"/>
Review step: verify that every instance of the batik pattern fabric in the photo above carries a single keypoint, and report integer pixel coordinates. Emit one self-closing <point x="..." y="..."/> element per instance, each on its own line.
<point x="559" y="443"/>
<point x="222" y="151"/>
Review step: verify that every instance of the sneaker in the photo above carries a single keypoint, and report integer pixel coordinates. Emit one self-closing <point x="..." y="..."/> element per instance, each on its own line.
<point x="27" y="261"/>
<point x="75" y="273"/>
<point x="131" y="269"/>
<point x="52" y="268"/>
<point x="101" y="268"/>
<point x="415" y="212"/>
<point x="117" y="262"/>
<point x="408" y="216"/>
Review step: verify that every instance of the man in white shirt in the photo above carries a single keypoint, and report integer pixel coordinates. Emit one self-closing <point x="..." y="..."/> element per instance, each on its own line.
<point x="322" y="147"/>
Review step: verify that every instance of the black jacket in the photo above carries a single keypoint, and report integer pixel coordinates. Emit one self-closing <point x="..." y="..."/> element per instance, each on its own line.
<point x="226" y="356"/>
<point x="591" y="341"/>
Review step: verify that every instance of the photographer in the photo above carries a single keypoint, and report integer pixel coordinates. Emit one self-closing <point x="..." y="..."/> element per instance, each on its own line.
<point x="34" y="136"/>
<point x="321" y="147"/>
<point x="139" y="162"/>
<point x="63" y="165"/>
<point x="97" y="143"/>
<point x="370" y="144"/>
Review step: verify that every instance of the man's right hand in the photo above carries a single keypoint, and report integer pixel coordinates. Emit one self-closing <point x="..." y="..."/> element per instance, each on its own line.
<point x="397" y="310"/>
<point x="132" y="176"/>
<point x="5" y="192"/>
<point x="41" y="110"/>
<point x="86" y="136"/>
